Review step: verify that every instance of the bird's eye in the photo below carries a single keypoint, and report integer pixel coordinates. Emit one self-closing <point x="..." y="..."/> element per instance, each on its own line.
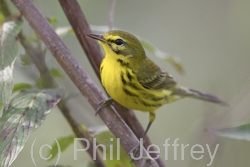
<point x="119" y="42"/>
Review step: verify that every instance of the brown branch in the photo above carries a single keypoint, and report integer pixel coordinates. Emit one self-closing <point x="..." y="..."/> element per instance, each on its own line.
<point x="81" y="27"/>
<point x="36" y="56"/>
<point x="79" y="77"/>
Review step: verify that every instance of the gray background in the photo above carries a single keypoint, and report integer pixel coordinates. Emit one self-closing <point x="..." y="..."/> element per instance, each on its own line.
<point x="212" y="39"/>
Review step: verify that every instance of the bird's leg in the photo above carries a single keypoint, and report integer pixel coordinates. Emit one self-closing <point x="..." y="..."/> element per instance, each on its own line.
<point x="103" y="104"/>
<point x="151" y="120"/>
<point x="136" y="150"/>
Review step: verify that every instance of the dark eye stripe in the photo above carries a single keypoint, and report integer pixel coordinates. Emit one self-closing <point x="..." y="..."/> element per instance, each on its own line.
<point x="114" y="50"/>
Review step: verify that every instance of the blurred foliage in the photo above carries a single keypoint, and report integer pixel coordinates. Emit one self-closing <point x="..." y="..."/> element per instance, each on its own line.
<point x="25" y="60"/>
<point x="1" y="17"/>
<point x="113" y="153"/>
<point x="21" y="86"/>
<point x="52" y="21"/>
<point x="241" y="132"/>
<point x="56" y="73"/>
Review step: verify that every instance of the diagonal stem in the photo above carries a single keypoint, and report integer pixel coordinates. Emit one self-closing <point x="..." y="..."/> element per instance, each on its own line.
<point x="36" y="56"/>
<point x="80" y="78"/>
<point x="79" y="23"/>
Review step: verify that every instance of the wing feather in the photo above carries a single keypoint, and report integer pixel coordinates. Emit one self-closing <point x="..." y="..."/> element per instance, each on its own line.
<point x="159" y="80"/>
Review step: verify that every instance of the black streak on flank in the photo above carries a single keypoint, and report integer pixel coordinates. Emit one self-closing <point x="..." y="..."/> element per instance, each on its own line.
<point x="123" y="80"/>
<point x="154" y="98"/>
<point x="129" y="93"/>
<point x="149" y="105"/>
<point x="125" y="64"/>
<point x="129" y="76"/>
<point x="133" y="86"/>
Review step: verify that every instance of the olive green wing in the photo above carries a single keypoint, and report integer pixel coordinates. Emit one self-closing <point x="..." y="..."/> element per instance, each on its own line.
<point x="159" y="80"/>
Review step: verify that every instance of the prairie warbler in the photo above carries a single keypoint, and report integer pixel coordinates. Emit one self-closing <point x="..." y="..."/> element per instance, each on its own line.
<point x="136" y="82"/>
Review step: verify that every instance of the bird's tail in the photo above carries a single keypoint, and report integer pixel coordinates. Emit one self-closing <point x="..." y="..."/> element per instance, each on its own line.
<point x="199" y="95"/>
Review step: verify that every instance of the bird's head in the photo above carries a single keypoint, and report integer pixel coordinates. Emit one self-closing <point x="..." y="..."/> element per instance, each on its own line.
<point x="120" y="44"/>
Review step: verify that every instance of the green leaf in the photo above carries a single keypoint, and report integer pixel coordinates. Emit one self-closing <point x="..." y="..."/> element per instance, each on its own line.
<point x="26" y="62"/>
<point x="105" y="137"/>
<point x="176" y="63"/>
<point x="63" y="142"/>
<point x="21" y="86"/>
<point x="173" y="60"/>
<point x="91" y="164"/>
<point x="52" y="20"/>
<point x="26" y="112"/>
<point x="56" y="73"/>
<point x="8" y="53"/>
<point x="241" y="132"/>
<point x="1" y="17"/>
<point x="63" y="31"/>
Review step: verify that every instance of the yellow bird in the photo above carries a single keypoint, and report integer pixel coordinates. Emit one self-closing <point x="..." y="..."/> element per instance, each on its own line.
<point x="135" y="81"/>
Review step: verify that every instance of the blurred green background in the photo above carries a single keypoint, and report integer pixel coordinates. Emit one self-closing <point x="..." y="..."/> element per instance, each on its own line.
<point x="212" y="38"/>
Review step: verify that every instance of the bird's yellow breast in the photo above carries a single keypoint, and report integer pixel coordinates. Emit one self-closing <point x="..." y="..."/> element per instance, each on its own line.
<point x="111" y="76"/>
<point x="122" y="85"/>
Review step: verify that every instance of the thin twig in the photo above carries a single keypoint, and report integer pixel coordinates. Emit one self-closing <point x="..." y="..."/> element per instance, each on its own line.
<point x="80" y="78"/>
<point x="81" y="27"/>
<point x="112" y="14"/>
<point x="48" y="82"/>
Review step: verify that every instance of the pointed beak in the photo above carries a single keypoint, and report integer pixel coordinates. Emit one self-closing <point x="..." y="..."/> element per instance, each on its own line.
<point x="98" y="37"/>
